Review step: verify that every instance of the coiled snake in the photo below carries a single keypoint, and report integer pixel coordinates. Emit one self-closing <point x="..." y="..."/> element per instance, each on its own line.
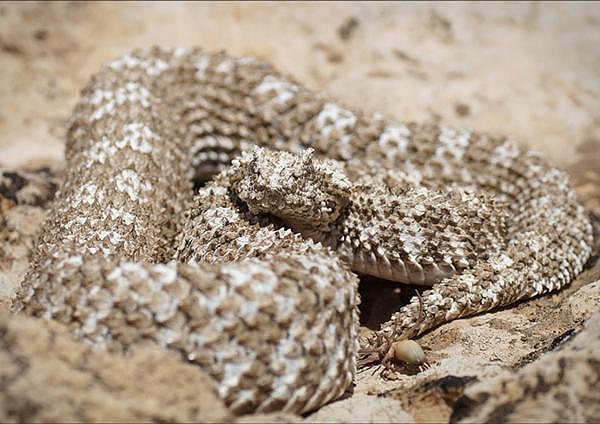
<point x="251" y="277"/>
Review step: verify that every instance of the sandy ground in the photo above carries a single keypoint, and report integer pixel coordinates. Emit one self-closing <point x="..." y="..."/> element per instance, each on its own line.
<point x="527" y="70"/>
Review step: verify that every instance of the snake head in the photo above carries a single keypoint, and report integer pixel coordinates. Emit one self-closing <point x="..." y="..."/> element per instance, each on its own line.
<point x="308" y="194"/>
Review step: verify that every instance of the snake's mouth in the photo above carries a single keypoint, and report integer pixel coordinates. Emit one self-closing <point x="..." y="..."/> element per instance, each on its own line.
<point x="401" y="271"/>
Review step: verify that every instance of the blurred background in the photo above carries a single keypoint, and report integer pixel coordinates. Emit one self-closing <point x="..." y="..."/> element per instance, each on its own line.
<point x="527" y="70"/>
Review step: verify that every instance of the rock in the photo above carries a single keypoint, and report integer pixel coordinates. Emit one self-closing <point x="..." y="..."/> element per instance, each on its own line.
<point x="585" y="301"/>
<point x="362" y="409"/>
<point x="562" y="386"/>
<point x="46" y="376"/>
<point x="19" y="227"/>
<point x="275" y="417"/>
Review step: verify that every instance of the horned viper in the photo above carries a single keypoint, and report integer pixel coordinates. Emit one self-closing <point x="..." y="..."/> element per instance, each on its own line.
<point x="251" y="277"/>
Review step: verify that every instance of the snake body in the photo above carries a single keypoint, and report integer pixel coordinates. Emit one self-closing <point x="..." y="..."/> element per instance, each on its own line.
<point x="251" y="278"/>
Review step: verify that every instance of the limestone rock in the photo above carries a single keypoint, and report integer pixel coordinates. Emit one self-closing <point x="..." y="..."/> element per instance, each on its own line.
<point x="362" y="409"/>
<point x="46" y="376"/>
<point x="562" y="386"/>
<point x="273" y="417"/>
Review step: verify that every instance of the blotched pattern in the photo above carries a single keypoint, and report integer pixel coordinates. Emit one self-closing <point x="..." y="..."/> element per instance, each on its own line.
<point x="271" y="316"/>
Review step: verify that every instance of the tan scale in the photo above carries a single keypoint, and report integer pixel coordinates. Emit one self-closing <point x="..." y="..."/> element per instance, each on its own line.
<point x="260" y="294"/>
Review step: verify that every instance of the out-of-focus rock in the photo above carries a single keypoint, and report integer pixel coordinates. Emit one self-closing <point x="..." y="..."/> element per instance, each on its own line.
<point x="46" y="376"/>
<point x="271" y="418"/>
<point x="362" y="409"/>
<point x="23" y="209"/>
<point x="19" y="228"/>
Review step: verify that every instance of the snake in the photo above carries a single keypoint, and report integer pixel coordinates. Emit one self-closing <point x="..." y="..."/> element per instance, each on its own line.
<point x="219" y="208"/>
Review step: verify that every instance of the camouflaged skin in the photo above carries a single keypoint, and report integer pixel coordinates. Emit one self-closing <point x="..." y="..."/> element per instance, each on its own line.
<point x="277" y="325"/>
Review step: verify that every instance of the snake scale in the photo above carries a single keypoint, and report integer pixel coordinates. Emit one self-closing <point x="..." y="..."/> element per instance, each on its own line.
<point x="252" y="276"/>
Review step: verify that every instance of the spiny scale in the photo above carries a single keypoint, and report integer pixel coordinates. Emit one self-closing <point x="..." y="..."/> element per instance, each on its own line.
<point x="277" y="324"/>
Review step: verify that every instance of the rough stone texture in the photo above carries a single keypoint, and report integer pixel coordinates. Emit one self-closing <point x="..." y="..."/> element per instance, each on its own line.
<point x="362" y="409"/>
<point x="18" y="230"/>
<point x="23" y="209"/>
<point x="564" y="384"/>
<point x="47" y="377"/>
<point x="528" y="70"/>
<point x="274" y="417"/>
